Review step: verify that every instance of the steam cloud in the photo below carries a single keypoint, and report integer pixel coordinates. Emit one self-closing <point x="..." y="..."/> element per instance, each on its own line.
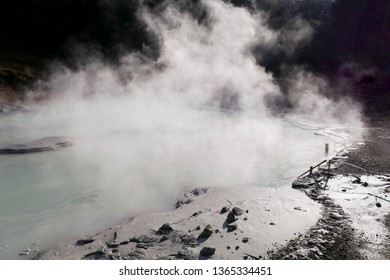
<point x="199" y="113"/>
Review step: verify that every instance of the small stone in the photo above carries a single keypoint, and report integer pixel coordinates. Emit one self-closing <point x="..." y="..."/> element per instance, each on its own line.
<point x="231" y="218"/>
<point x="272" y="224"/>
<point x="224" y="210"/>
<point x="357" y="181"/>
<point x="112" y="245"/>
<point x="180" y="203"/>
<point x="237" y="211"/>
<point x="245" y="240"/>
<point x="207" y="232"/>
<point x="231" y="227"/>
<point x="217" y="231"/>
<point x="207" y="251"/>
<point x="165" y="229"/>
<point x="197" y="228"/>
<point x="378" y="205"/>
<point x="245" y="257"/>
<point x="228" y="247"/>
<point x="83" y="242"/>
<point x="237" y="247"/>
<point x="365" y="184"/>
<point x="245" y="219"/>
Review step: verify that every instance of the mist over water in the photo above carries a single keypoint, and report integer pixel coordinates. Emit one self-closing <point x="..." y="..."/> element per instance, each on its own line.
<point x="147" y="129"/>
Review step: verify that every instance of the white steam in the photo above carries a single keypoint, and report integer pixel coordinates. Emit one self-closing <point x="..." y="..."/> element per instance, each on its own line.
<point x="195" y="117"/>
<point x="198" y="110"/>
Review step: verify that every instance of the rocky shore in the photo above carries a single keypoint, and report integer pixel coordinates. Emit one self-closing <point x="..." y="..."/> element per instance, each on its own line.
<point x="355" y="204"/>
<point x="208" y="223"/>
<point x="337" y="213"/>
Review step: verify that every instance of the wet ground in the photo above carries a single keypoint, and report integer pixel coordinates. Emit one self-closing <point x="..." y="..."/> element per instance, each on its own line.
<point x="334" y="236"/>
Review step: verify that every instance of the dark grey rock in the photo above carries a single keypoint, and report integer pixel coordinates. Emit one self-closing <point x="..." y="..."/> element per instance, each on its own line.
<point x="224" y="210"/>
<point x="165" y="229"/>
<point x="245" y="240"/>
<point x="182" y="202"/>
<point x="199" y="191"/>
<point x="231" y="227"/>
<point x="237" y="211"/>
<point x="231" y="218"/>
<point x="112" y="245"/>
<point x="207" y="251"/>
<point x="83" y="242"/>
<point x="207" y="232"/>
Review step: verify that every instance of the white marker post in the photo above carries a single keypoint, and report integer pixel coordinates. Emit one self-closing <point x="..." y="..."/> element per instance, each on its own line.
<point x="326" y="149"/>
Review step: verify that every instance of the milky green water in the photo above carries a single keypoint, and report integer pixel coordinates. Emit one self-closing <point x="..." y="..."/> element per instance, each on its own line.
<point x="56" y="196"/>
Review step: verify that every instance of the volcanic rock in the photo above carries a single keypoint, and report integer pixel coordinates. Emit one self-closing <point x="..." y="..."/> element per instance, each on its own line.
<point x="231" y="227"/>
<point x="237" y="211"/>
<point x="231" y="218"/>
<point x="207" y="251"/>
<point x="224" y="210"/>
<point x="206" y="233"/>
<point x="165" y="229"/>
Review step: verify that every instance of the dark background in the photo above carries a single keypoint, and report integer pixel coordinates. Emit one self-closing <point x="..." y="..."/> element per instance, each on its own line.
<point x="36" y="32"/>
